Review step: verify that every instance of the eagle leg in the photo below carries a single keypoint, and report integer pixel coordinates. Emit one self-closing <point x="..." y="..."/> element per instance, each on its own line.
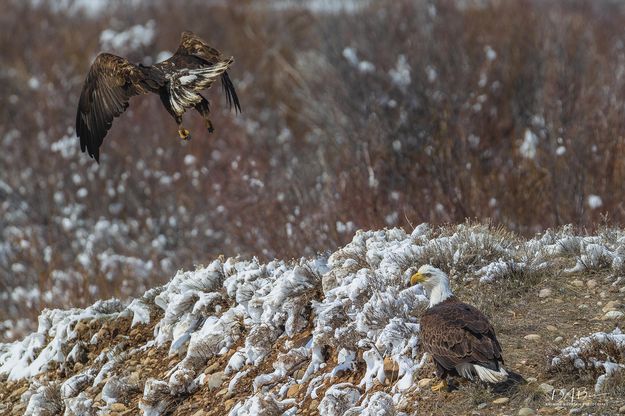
<point x="203" y="108"/>
<point x="209" y="126"/>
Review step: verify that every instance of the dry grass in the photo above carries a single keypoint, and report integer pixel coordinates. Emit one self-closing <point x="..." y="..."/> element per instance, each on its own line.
<point x="466" y="247"/>
<point x="595" y="351"/>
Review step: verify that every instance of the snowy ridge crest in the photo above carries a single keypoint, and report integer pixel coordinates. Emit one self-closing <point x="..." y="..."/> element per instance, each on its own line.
<point x="280" y="331"/>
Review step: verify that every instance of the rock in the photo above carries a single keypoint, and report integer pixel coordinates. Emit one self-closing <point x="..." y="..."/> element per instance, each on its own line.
<point x="118" y="407"/>
<point x="575" y="411"/>
<point x="531" y="379"/>
<point x="583" y="306"/>
<point x="81" y="328"/>
<point x="212" y="368"/>
<point x="299" y="374"/>
<point x="552" y="328"/>
<point x="544" y="293"/>
<point x="424" y="382"/>
<point x="613" y="315"/>
<point x="621" y="409"/>
<point x="215" y="380"/>
<point x="532" y="337"/>
<point x="391" y="369"/>
<point x="547" y="411"/>
<point x="135" y="377"/>
<point x="103" y="334"/>
<point x="577" y="283"/>
<point x="293" y="391"/>
<point x="592" y="283"/>
<point x="558" y="339"/>
<point x="545" y="388"/>
<point x="611" y="306"/>
<point x="501" y="400"/>
<point x="482" y="405"/>
<point x="526" y="411"/>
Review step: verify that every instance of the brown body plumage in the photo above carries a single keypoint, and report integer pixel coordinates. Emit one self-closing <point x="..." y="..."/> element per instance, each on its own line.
<point x="112" y="81"/>
<point x="457" y="334"/>
<point x="459" y="337"/>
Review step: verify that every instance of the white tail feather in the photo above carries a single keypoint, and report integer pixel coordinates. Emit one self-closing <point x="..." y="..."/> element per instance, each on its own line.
<point x="490" y="376"/>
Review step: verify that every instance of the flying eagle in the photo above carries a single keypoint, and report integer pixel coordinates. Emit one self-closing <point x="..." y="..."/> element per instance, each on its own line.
<point x="458" y="336"/>
<point x="112" y="81"/>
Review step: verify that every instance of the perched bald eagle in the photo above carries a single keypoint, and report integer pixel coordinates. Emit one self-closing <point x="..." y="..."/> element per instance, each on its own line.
<point x="458" y="336"/>
<point x="112" y="80"/>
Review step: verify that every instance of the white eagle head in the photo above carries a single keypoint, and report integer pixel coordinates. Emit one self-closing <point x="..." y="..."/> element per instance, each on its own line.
<point x="434" y="281"/>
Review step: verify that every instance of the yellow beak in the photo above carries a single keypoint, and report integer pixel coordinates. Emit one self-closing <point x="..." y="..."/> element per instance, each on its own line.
<point x="417" y="278"/>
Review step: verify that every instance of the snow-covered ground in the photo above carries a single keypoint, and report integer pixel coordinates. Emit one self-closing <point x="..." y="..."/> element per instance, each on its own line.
<point x="284" y="331"/>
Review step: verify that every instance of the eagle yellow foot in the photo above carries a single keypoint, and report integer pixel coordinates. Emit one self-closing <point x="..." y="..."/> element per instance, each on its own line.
<point x="184" y="133"/>
<point x="442" y="386"/>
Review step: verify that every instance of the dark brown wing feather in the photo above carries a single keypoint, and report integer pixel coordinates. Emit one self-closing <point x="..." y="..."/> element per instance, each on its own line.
<point x="192" y="45"/>
<point x="110" y="83"/>
<point x="454" y="332"/>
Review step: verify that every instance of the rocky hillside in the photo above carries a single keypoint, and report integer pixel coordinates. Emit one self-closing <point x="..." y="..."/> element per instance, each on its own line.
<point x="338" y="334"/>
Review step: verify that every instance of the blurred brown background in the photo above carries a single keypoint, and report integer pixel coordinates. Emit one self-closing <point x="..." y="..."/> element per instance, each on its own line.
<point x="356" y="115"/>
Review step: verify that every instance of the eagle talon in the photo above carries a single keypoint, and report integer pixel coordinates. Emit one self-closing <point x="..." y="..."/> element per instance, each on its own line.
<point x="184" y="134"/>
<point x="209" y="126"/>
<point x="437" y="388"/>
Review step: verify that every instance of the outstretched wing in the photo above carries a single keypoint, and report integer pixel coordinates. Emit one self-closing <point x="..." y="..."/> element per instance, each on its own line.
<point x="110" y="83"/>
<point x="192" y="45"/>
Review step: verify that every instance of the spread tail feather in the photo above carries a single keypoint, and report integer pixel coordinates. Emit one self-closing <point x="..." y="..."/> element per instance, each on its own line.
<point x="490" y="376"/>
